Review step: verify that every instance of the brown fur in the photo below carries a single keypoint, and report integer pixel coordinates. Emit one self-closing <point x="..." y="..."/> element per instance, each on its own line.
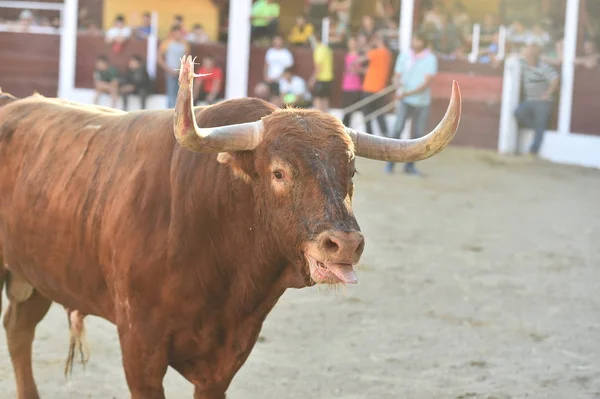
<point x="105" y="213"/>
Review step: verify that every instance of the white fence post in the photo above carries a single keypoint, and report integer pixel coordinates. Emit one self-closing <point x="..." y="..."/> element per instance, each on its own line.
<point x="152" y="46"/>
<point x="511" y="89"/>
<point x="68" y="49"/>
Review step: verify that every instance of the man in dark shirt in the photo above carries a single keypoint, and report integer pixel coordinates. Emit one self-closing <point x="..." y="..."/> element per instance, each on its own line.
<point x="106" y="80"/>
<point x="136" y="81"/>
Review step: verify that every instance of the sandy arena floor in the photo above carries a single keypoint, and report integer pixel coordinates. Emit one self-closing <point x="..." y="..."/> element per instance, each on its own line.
<point x="481" y="280"/>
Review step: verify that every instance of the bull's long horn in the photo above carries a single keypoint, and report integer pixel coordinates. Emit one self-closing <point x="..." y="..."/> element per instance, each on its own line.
<point x="240" y="137"/>
<point x="385" y="149"/>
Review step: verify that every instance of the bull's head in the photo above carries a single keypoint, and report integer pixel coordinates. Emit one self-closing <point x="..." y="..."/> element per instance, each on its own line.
<point x="302" y="161"/>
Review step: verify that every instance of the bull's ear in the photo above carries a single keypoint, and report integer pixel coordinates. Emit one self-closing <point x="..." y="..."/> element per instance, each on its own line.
<point x="238" y="166"/>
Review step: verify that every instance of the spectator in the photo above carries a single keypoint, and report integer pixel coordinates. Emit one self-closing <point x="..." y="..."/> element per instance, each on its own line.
<point x="178" y="21"/>
<point x="376" y="79"/>
<point x="383" y="13"/>
<point x="590" y="56"/>
<point x="462" y="20"/>
<point x="540" y="82"/>
<point x="489" y="31"/>
<point x="338" y="33"/>
<point x="540" y="35"/>
<point x="265" y="19"/>
<point x="145" y="29"/>
<point x="434" y="17"/>
<point x="342" y="9"/>
<point x="317" y="10"/>
<point x="118" y="34"/>
<point x="322" y="75"/>
<point x="301" y="32"/>
<point x="277" y="59"/>
<point x="262" y="91"/>
<point x="136" y="81"/>
<point x="170" y="53"/>
<point x="198" y="35"/>
<point x="293" y="89"/>
<point x="83" y="19"/>
<point x="414" y="72"/>
<point x="448" y="43"/>
<point x="352" y="80"/>
<point x="106" y="80"/>
<point x="517" y="36"/>
<point x="391" y="36"/>
<point x="554" y="56"/>
<point x="26" y="21"/>
<point x="367" y="28"/>
<point x="208" y="88"/>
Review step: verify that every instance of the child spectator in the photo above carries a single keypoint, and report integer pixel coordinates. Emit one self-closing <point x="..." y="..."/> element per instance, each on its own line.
<point x="208" y="88"/>
<point x="322" y="75"/>
<point x="277" y="59"/>
<point x="265" y="19"/>
<point x="301" y="32"/>
<point x="293" y="89"/>
<point x="118" y="34"/>
<point x="338" y="33"/>
<point x="106" y="80"/>
<point x="198" y="35"/>
<point x="145" y="29"/>
<point x="136" y="81"/>
<point x="352" y="80"/>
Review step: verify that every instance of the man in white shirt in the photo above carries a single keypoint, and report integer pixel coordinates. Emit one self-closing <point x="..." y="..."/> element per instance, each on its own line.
<point x="277" y="59"/>
<point x="119" y="31"/>
<point x="293" y="90"/>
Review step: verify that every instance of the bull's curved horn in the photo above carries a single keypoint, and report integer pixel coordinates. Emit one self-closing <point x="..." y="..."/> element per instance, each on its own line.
<point x="386" y="149"/>
<point x="240" y="137"/>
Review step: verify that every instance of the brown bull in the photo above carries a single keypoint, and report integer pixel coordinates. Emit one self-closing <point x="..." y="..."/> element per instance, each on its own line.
<point x="181" y="227"/>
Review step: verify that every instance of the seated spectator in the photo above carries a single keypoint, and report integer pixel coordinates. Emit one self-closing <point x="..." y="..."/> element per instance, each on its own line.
<point x="178" y="22"/>
<point x="55" y="23"/>
<point x="342" y="9"/>
<point x="517" y="36"/>
<point x="118" y="34"/>
<point x="433" y="18"/>
<point x="83" y="19"/>
<point x="26" y="21"/>
<point x="540" y="35"/>
<point x="136" y="81"/>
<point x="488" y="32"/>
<point x="277" y="59"/>
<point x="198" y="35"/>
<point x="338" y="33"/>
<point x="106" y="80"/>
<point x="316" y="11"/>
<point x="262" y="91"/>
<point x="208" y="88"/>
<point x="293" y="90"/>
<point x="590" y="56"/>
<point x="462" y="20"/>
<point x="447" y="43"/>
<point x="367" y="28"/>
<point x="301" y="32"/>
<point x="145" y="29"/>
<point x="265" y="19"/>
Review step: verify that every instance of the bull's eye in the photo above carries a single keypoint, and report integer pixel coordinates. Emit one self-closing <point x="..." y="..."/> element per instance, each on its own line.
<point x="278" y="174"/>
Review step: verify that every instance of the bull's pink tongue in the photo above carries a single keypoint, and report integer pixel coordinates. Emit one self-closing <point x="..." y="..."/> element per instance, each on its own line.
<point x="345" y="273"/>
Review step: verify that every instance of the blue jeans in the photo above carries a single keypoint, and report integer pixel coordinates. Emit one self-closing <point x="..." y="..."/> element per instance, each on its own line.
<point x="418" y="115"/>
<point x="172" y="85"/>
<point x="534" y="114"/>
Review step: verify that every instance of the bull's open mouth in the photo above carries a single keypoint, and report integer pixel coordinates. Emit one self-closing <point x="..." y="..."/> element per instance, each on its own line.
<point x="331" y="273"/>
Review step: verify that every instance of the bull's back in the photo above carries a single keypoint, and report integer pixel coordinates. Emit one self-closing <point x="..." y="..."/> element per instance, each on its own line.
<point x="72" y="180"/>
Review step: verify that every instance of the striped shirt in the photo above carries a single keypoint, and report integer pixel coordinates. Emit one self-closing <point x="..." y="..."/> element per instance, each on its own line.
<point x="537" y="79"/>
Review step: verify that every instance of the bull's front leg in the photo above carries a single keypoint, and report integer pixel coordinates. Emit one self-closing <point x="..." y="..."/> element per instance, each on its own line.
<point x="145" y="357"/>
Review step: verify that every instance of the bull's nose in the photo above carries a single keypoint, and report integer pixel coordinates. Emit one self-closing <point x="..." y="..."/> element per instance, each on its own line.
<point x="342" y="247"/>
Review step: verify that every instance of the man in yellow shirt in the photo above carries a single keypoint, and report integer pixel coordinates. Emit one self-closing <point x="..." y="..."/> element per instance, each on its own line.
<point x="301" y="32"/>
<point x="322" y="77"/>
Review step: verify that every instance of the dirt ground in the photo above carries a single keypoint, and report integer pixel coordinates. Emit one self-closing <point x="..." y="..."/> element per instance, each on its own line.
<point x="481" y="280"/>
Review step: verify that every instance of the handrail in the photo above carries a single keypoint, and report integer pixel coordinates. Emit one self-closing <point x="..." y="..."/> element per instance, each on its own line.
<point x="359" y="104"/>
<point x="383" y="110"/>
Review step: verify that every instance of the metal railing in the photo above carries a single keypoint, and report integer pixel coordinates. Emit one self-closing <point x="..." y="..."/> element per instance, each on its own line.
<point x="369" y="99"/>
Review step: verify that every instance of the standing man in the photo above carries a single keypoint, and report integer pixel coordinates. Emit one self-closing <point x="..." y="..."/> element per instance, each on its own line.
<point x="322" y="76"/>
<point x="414" y="73"/>
<point x="264" y="18"/>
<point x="540" y="82"/>
<point x="169" y="59"/>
